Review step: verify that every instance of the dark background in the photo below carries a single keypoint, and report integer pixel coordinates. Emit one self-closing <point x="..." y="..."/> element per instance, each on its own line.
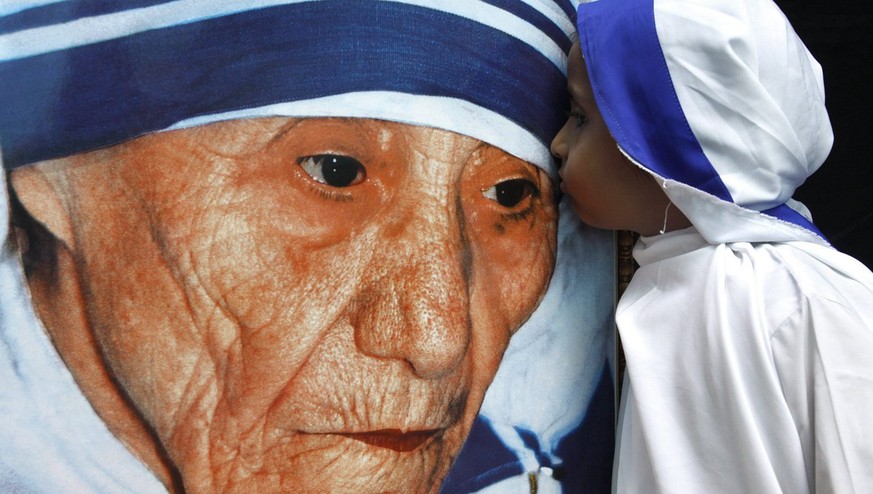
<point x="839" y="33"/>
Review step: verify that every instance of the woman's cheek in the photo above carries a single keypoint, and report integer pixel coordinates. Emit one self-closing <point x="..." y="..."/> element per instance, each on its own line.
<point x="516" y="258"/>
<point x="531" y="274"/>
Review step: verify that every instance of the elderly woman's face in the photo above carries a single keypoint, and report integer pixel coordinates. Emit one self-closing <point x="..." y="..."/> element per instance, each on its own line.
<point x="311" y="305"/>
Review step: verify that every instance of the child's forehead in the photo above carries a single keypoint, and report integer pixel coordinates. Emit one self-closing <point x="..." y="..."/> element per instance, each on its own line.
<point x="578" y="83"/>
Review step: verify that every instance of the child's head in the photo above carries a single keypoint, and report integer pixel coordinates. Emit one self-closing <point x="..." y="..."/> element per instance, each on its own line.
<point x="605" y="188"/>
<point x="719" y="100"/>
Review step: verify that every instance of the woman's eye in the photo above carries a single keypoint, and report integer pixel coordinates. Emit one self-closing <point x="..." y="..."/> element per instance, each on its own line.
<point x="334" y="170"/>
<point x="511" y="192"/>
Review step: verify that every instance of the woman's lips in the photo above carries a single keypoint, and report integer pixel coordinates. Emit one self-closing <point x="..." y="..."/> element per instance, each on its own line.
<point x="394" y="439"/>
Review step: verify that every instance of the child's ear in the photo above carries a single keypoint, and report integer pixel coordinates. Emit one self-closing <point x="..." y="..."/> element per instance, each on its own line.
<point x="42" y="193"/>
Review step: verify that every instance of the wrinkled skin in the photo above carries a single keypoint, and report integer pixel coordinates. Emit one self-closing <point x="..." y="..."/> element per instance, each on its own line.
<point x="247" y="322"/>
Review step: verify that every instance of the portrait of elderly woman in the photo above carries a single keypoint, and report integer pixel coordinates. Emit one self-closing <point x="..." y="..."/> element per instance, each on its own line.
<point x="284" y="246"/>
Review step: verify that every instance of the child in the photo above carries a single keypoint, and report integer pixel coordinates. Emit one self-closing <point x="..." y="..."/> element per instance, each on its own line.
<point x="748" y="338"/>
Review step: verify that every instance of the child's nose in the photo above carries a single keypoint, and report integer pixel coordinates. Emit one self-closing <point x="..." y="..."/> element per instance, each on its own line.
<point x="559" y="144"/>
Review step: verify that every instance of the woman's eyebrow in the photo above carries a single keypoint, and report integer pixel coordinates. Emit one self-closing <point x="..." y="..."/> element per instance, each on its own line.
<point x="281" y="131"/>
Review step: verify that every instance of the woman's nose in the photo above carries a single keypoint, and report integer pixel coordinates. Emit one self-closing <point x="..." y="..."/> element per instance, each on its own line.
<point x="415" y="305"/>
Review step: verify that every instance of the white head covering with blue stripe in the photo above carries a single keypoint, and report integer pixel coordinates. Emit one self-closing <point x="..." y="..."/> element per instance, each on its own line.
<point x="740" y="102"/>
<point x="140" y="66"/>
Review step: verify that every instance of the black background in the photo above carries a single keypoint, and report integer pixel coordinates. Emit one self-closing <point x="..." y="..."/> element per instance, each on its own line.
<point x="839" y="33"/>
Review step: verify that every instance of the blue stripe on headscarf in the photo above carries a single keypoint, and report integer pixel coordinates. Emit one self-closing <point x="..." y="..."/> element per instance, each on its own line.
<point x="65" y="102"/>
<point x="536" y="18"/>
<point x="568" y="7"/>
<point x="785" y="213"/>
<point x="61" y="12"/>
<point x="637" y="99"/>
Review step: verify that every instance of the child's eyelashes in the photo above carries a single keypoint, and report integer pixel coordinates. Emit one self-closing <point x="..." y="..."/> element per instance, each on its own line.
<point x="580" y="118"/>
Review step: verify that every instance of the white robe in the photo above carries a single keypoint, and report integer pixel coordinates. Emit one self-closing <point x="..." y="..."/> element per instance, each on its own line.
<point x="750" y="369"/>
<point x="749" y="340"/>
